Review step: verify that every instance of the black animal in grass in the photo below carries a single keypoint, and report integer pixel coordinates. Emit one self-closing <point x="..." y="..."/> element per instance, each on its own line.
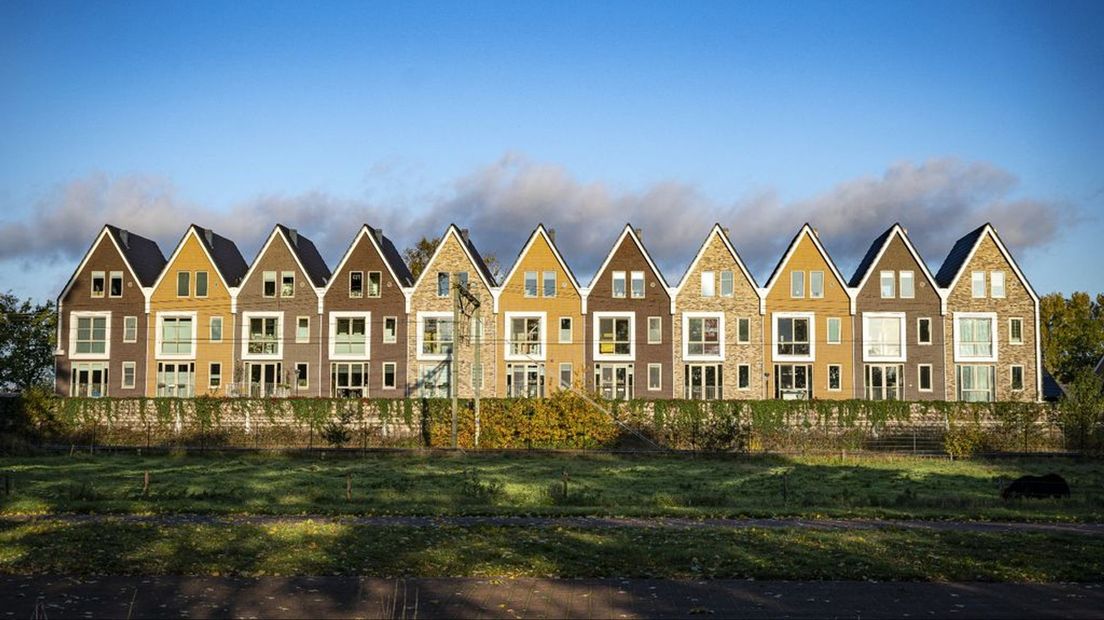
<point x="1037" y="487"/>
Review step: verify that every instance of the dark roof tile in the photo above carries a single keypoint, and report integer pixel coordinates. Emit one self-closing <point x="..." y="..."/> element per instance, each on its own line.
<point x="317" y="269"/>
<point x="957" y="257"/>
<point x="143" y="255"/>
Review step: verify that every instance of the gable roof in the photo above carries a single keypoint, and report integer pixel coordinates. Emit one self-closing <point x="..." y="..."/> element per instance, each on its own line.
<point x="630" y="232"/>
<point x="141" y="256"/>
<point x="805" y="230"/>
<point x="719" y="231"/>
<point x="387" y="251"/>
<point x="1052" y="390"/>
<point x="302" y="250"/>
<point x="541" y="231"/>
<point x="222" y="252"/>
<point x="955" y="260"/>
<point x="469" y="250"/>
<point x="963" y="251"/>
<point x="874" y="254"/>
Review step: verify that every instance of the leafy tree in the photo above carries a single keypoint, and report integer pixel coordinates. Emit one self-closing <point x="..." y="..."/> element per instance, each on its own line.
<point x="26" y="343"/>
<point x="1082" y="410"/>
<point x="417" y="257"/>
<point x="1072" y="333"/>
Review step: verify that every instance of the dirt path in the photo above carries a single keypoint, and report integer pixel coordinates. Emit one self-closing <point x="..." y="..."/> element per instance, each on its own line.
<point x="1090" y="529"/>
<point x="347" y="597"/>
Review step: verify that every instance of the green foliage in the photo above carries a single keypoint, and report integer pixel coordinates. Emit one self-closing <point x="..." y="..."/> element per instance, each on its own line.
<point x="336" y="431"/>
<point x="1072" y="333"/>
<point x="27" y="333"/>
<point x="1081" y="412"/>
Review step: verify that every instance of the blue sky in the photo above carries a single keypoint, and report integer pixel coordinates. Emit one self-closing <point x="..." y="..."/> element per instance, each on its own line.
<point x="582" y="115"/>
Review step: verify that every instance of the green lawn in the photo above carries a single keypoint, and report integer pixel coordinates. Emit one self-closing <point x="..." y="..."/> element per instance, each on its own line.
<point x="598" y="484"/>
<point x="309" y="548"/>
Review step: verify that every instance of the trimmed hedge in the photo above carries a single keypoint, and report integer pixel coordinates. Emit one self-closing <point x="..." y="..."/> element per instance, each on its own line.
<point x="563" y="421"/>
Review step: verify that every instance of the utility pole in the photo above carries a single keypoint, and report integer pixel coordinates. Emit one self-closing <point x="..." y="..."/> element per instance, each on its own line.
<point x="454" y="365"/>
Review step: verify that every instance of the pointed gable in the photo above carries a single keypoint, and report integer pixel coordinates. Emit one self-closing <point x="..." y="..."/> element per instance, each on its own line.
<point x="221" y="253"/>
<point x="716" y="235"/>
<point x="630" y="240"/>
<point x="806" y="235"/>
<point x="539" y="241"/>
<point x="878" y="248"/>
<point x="963" y="252"/>
<point x="373" y="240"/>
<point x="141" y="256"/>
<point x="463" y="240"/>
<point x="301" y="250"/>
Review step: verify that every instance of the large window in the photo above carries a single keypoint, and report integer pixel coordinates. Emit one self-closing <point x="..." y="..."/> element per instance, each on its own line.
<point x="88" y="380"/>
<point x="183" y="283"/>
<point x="349" y="380"/>
<point x="793" y="336"/>
<point x="703" y="381"/>
<point x="883" y="337"/>
<point x="524" y="380"/>
<point x="349" y="335"/>
<point x="615" y="335"/>
<point x="793" y="381"/>
<point x="264" y="336"/>
<point x="98" y="283"/>
<point x="265" y="380"/>
<point x="356" y="284"/>
<point x="614" y="381"/>
<point x="176" y="379"/>
<point x="436" y="336"/>
<point x="91" y="334"/>
<point x="883" y="381"/>
<point x="530" y="284"/>
<point x="177" y="335"/>
<point x="268" y="285"/>
<point x="287" y="284"/>
<point x="888" y="285"/>
<point x="525" y="336"/>
<point x="975" y="338"/>
<point x="703" y="336"/>
<point x="996" y="284"/>
<point x="433" y="380"/>
<point x="976" y="383"/>
<point x="201" y="284"/>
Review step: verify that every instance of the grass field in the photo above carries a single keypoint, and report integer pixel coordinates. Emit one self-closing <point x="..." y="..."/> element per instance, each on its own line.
<point x="430" y="484"/>
<point x="332" y="548"/>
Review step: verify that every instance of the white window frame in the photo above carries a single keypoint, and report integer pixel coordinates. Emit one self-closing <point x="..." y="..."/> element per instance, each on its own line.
<point x="931" y="335"/>
<point x="813" y="292"/>
<point x="747" y="321"/>
<point x="246" y="318"/>
<point x="570" y="330"/>
<point x="447" y="281"/>
<point x="206" y="284"/>
<point x="633" y="277"/>
<point x="613" y="357"/>
<point x="731" y="283"/>
<point x="378" y="275"/>
<point x="133" y="366"/>
<point x="828" y="330"/>
<point x="306" y="375"/>
<point x="509" y="333"/>
<point x="332" y="344"/>
<point x="284" y="275"/>
<point x="122" y="282"/>
<point x="887" y="278"/>
<point x="298" y="320"/>
<point x="270" y="276"/>
<point x="394" y="337"/>
<point x="686" y="355"/>
<point x="658" y="319"/>
<point x="102" y="276"/>
<point x="546" y="277"/>
<point x="187" y="276"/>
<point x="794" y="276"/>
<point x="211" y="328"/>
<point x="748" y="386"/>
<point x="353" y="294"/>
<point x="161" y="316"/>
<point x="931" y="378"/>
<point x="570" y="368"/>
<point x="615" y="276"/>
<point x="1011" y="341"/>
<point x="778" y="357"/>
<point x="526" y="291"/>
<point x="993" y="277"/>
<point x="910" y="276"/>
<point x="420" y="336"/>
<point x="993" y="330"/>
<point x="977" y="282"/>
<point x="394" y="376"/>
<point x="902" y="334"/>
<point x="211" y="375"/>
<point x="659" y="386"/>
<point x="708" y="284"/>
<point x="828" y="378"/>
<point x="130" y="319"/>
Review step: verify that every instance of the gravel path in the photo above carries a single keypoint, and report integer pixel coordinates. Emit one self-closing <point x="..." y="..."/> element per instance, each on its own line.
<point x="1089" y="529"/>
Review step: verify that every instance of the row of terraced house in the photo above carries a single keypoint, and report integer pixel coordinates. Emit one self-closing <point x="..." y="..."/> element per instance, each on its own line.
<point x="132" y="323"/>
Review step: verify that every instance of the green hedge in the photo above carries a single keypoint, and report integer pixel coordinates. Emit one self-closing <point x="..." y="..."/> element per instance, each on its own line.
<point x="564" y="421"/>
